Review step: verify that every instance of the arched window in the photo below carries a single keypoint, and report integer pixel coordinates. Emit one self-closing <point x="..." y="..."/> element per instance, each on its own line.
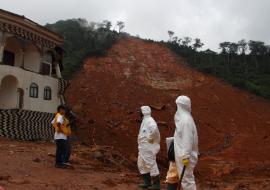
<point x="47" y="93"/>
<point x="33" y="90"/>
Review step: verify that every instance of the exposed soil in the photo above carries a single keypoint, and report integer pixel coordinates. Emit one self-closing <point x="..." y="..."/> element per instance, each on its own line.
<point x="30" y="166"/>
<point x="233" y="125"/>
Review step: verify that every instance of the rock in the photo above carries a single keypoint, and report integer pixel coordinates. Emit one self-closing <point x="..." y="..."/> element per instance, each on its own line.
<point x="5" y="178"/>
<point x="51" y="154"/>
<point x="222" y="168"/>
<point x="158" y="107"/>
<point x="133" y="158"/>
<point x="130" y="112"/>
<point x="77" y="108"/>
<point x="19" y="181"/>
<point x="242" y="186"/>
<point x="162" y="123"/>
<point x="212" y="183"/>
<point x="91" y="121"/>
<point x="97" y="154"/>
<point x="37" y="160"/>
<point x="122" y="175"/>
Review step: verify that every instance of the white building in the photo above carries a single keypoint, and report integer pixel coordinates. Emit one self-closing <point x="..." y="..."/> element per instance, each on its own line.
<point x="30" y="75"/>
<point x="30" y="60"/>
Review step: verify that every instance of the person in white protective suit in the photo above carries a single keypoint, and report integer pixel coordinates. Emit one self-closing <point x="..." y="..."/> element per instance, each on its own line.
<point x="148" y="146"/>
<point x="185" y="142"/>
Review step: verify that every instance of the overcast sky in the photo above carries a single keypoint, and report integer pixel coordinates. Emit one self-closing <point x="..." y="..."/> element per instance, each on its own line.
<point x="213" y="21"/>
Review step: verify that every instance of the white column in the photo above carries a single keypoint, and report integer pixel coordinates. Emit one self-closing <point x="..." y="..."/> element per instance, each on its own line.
<point x="22" y="58"/>
<point x="58" y="72"/>
<point x="2" y="45"/>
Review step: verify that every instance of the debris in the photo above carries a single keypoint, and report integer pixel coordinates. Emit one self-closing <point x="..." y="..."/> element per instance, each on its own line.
<point x="51" y="154"/>
<point x="5" y="178"/>
<point x="37" y="160"/>
<point x="97" y="154"/>
<point x="158" y="107"/>
<point x="162" y="123"/>
<point x="19" y="181"/>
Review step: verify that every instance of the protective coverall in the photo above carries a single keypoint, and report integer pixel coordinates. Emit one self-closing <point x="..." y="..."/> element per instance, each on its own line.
<point x="185" y="142"/>
<point x="148" y="146"/>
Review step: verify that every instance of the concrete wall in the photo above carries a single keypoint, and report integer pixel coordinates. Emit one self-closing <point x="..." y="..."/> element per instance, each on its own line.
<point x="25" y="78"/>
<point x="32" y="58"/>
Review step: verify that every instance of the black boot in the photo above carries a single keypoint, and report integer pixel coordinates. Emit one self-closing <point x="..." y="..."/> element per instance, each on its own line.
<point x="156" y="183"/>
<point x="147" y="181"/>
<point x="172" y="186"/>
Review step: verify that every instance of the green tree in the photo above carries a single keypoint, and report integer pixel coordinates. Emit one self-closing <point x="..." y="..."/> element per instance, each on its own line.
<point x="186" y="41"/>
<point x="233" y="48"/>
<point x="242" y="44"/>
<point x="121" y="26"/>
<point x="170" y="33"/>
<point x="197" y="44"/>
<point x="257" y="47"/>
<point x="224" y="46"/>
<point x="107" y="24"/>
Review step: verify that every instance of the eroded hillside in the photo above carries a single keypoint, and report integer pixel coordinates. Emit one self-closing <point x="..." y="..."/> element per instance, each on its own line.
<point x="233" y="126"/>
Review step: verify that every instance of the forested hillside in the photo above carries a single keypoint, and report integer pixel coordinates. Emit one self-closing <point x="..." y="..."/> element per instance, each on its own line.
<point x="245" y="64"/>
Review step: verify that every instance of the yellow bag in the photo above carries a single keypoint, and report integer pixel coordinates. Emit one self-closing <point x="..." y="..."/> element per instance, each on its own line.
<point x="65" y="127"/>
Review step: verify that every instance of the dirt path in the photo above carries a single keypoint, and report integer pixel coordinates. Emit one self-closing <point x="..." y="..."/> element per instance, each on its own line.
<point x="29" y="166"/>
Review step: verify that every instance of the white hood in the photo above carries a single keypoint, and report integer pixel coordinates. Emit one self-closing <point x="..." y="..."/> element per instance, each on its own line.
<point x="186" y="137"/>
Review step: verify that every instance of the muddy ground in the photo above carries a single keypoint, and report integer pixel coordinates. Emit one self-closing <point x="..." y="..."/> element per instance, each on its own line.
<point x="30" y="166"/>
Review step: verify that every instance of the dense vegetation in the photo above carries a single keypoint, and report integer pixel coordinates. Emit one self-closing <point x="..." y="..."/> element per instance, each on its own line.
<point x="83" y="39"/>
<point x="245" y="64"/>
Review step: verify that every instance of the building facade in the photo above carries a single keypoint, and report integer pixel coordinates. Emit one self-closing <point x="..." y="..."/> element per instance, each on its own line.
<point x="30" y="60"/>
<point x="30" y="72"/>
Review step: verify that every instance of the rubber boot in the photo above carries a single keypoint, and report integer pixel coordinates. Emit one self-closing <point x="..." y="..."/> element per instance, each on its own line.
<point x="147" y="181"/>
<point x="172" y="186"/>
<point x="156" y="183"/>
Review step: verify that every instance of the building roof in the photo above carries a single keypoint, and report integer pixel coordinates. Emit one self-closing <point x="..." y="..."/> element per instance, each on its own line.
<point x="28" y="29"/>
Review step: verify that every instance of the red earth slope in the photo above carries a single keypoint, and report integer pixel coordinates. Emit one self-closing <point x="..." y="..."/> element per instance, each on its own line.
<point x="233" y="125"/>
